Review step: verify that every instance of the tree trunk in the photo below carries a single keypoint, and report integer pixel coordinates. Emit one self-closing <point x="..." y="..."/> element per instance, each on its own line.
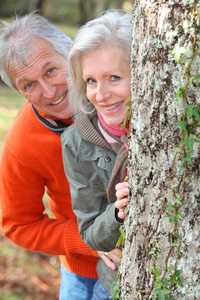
<point x="161" y="253"/>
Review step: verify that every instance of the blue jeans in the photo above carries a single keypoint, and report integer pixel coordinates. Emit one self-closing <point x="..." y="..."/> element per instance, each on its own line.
<point x="75" y="287"/>
<point x="99" y="292"/>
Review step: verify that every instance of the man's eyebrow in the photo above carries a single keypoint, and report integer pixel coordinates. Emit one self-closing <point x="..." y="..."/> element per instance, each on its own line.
<point x="21" y="81"/>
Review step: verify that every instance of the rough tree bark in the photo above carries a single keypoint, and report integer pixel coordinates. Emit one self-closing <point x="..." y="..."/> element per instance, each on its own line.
<point x="162" y="247"/>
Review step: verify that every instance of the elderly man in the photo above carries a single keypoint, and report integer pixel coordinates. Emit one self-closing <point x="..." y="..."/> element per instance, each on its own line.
<point x="33" y="61"/>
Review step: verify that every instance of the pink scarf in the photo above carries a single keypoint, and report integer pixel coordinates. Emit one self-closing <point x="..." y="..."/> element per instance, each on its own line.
<point x="116" y="130"/>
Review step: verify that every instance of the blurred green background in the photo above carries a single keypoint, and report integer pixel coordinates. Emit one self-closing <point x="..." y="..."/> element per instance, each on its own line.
<point x="25" y="275"/>
<point x="73" y="12"/>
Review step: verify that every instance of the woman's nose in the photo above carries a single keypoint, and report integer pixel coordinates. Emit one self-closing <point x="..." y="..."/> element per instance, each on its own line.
<point x="103" y="93"/>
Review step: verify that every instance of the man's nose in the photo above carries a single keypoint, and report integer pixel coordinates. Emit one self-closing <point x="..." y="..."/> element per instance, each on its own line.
<point x="48" y="89"/>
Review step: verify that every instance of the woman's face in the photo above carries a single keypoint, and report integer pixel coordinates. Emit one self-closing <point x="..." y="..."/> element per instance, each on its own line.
<point x="107" y="76"/>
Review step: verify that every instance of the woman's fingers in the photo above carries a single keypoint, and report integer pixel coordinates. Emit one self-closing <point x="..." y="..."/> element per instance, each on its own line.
<point x="121" y="190"/>
<point x="119" y="204"/>
<point x="121" y="185"/>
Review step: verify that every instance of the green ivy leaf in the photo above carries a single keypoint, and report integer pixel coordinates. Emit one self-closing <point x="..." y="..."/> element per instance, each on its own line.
<point x="122" y="232"/>
<point x="178" y="280"/>
<point x="166" y="282"/>
<point x="157" y="271"/>
<point x="123" y="126"/>
<point x="178" y="273"/>
<point x="178" y="201"/>
<point x="116" y="291"/>
<point x="138" y="292"/>
<point x="121" y="238"/>
<point x="152" y="251"/>
<point x="128" y="103"/>
<point x="161" y="293"/>
<point x="177" y="52"/>
<point x="182" y="169"/>
<point x="176" y="150"/>
<point x="194" y="77"/>
<point x="159" y="255"/>
<point x="174" y="244"/>
<point x="170" y="268"/>
<point x="119" y="242"/>
<point x="183" y="126"/>
<point x="187" y="180"/>
<point x="189" y="159"/>
<point x="180" y="93"/>
<point x="169" y="207"/>
<point x="180" y="117"/>
<point x="179" y="215"/>
<point x="171" y="218"/>
<point x="193" y="111"/>
<point x="189" y="143"/>
<point x="159" y="283"/>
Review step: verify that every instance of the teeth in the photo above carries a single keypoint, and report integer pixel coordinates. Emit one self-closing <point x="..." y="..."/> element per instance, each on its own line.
<point x="59" y="100"/>
<point x="112" y="106"/>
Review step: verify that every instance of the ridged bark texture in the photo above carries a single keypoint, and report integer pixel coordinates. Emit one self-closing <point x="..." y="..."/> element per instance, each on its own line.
<point x="158" y="27"/>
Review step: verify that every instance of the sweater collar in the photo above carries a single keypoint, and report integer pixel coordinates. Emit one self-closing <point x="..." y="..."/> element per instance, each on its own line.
<point x="87" y="131"/>
<point x="55" y="125"/>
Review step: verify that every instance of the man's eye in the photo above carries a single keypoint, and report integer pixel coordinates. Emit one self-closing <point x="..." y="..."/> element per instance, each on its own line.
<point x="50" y="70"/>
<point x="90" y="81"/>
<point x="115" y="78"/>
<point x="29" y="85"/>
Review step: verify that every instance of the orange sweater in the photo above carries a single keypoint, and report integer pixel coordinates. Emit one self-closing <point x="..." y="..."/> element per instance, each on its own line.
<point x="31" y="161"/>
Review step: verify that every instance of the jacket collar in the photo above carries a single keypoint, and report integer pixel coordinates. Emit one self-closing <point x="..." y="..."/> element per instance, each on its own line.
<point x="87" y="131"/>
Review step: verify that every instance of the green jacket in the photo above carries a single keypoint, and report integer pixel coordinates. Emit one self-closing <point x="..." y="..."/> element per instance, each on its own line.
<point x="88" y="162"/>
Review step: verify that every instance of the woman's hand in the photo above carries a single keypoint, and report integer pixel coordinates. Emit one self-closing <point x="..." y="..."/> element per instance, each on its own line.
<point x="122" y="192"/>
<point x="109" y="257"/>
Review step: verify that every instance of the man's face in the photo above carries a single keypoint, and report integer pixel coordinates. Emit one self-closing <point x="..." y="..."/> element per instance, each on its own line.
<point x="43" y="82"/>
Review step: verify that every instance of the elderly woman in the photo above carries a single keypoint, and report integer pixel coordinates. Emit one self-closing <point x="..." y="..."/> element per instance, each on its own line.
<point x="95" y="147"/>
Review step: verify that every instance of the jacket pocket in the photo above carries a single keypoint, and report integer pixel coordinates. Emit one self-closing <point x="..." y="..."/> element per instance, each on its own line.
<point x="98" y="188"/>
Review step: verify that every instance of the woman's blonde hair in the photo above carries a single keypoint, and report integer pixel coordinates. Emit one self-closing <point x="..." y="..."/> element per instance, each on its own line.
<point x="111" y="28"/>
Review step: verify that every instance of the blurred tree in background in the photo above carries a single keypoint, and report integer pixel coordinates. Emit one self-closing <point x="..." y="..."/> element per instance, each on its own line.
<point x="74" y="12"/>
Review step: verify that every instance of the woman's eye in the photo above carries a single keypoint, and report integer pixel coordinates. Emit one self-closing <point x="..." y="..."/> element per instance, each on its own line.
<point x="90" y="81"/>
<point x="115" y="78"/>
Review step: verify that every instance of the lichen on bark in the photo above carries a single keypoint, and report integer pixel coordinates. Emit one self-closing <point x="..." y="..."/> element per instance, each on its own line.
<point x="159" y="27"/>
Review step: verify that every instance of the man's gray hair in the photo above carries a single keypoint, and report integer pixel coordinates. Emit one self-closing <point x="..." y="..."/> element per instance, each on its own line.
<point x="17" y="42"/>
<point x="112" y="28"/>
